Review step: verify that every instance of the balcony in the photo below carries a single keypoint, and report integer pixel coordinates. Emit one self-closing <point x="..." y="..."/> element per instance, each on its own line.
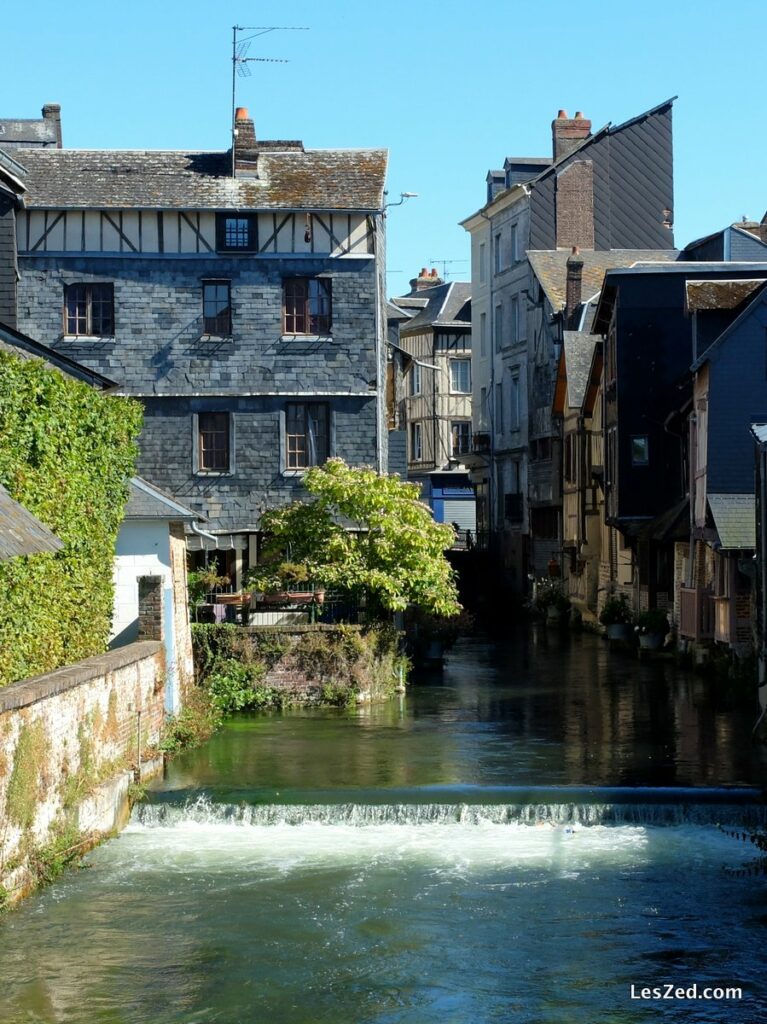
<point x="696" y="613"/>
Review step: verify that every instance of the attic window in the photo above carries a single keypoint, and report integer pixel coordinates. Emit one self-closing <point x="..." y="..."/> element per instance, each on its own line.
<point x="236" y="232"/>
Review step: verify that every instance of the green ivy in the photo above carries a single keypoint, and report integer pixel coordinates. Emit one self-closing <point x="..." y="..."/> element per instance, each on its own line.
<point x="67" y="453"/>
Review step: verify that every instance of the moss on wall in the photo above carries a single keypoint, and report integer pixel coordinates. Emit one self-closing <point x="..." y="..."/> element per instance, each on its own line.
<point x="26" y="781"/>
<point x="67" y="454"/>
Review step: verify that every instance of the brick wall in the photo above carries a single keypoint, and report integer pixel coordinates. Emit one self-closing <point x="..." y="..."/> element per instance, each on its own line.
<point x="62" y="733"/>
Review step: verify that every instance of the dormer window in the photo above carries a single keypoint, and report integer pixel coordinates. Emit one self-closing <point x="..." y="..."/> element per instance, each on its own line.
<point x="236" y="232"/>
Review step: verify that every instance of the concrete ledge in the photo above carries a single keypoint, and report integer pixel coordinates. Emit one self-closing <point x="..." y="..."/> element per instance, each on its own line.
<point x="28" y="691"/>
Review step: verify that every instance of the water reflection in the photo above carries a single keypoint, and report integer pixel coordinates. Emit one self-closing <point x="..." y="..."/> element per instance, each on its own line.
<point x="542" y="709"/>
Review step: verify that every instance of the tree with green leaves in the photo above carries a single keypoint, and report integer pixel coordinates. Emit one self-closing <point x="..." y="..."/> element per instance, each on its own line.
<point x="368" y="535"/>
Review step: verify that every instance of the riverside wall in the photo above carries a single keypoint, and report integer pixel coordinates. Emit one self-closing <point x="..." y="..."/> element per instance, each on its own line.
<point x="70" y="743"/>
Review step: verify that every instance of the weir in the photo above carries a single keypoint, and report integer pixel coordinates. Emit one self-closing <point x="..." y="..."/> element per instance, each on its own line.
<point x="519" y="839"/>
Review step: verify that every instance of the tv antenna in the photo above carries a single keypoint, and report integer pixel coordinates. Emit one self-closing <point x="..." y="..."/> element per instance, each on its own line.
<point x="444" y="264"/>
<point x="240" y="59"/>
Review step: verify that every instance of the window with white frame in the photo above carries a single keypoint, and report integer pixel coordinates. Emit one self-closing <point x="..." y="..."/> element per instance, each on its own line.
<point x="460" y="433"/>
<point x="307" y="434"/>
<point x="460" y="376"/>
<point x="416" y="450"/>
<point x="415" y="379"/>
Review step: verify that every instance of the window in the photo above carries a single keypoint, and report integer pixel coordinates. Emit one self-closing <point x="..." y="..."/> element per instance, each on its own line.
<point x="89" y="309"/>
<point x="498" y="327"/>
<point x="499" y="408"/>
<point x="515" y="319"/>
<point x="213" y="442"/>
<point x="640" y="450"/>
<point x="483" y="335"/>
<point x="483" y="408"/>
<point x="460" y="376"/>
<point x="514" y="401"/>
<point x="482" y="262"/>
<point x="498" y="253"/>
<point x="460" y="431"/>
<point x="416" y="451"/>
<point x="216" y="308"/>
<point x="307" y="305"/>
<point x="514" y="244"/>
<point x="307" y="435"/>
<point x="236" y="232"/>
<point x="415" y="379"/>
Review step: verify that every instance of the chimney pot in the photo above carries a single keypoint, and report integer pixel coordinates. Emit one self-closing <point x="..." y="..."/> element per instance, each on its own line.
<point x="241" y="114"/>
<point x="562" y="115"/>
<point x="579" y="115"/>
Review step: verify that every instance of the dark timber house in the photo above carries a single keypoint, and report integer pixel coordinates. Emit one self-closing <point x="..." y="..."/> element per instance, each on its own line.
<point x="240" y="298"/>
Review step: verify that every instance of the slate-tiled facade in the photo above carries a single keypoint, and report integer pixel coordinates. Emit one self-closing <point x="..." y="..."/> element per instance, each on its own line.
<point x="159" y="350"/>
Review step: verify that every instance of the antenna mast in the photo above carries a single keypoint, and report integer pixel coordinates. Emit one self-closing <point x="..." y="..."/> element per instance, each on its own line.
<point x="444" y="265"/>
<point x="240" y="61"/>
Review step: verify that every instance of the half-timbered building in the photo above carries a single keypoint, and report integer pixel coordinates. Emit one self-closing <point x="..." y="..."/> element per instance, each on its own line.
<point x="239" y="299"/>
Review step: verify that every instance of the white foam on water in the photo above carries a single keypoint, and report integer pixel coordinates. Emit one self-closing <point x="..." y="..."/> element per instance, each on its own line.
<point x="204" y="836"/>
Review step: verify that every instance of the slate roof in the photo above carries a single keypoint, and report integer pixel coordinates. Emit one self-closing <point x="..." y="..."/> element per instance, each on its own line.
<point x="145" y="501"/>
<point x="21" y="533"/>
<point x="719" y="294"/>
<point x="550" y="267"/>
<point x="295" y="179"/>
<point x="446" y="305"/>
<point x="17" y="344"/>
<point x="579" y="352"/>
<point x="735" y="520"/>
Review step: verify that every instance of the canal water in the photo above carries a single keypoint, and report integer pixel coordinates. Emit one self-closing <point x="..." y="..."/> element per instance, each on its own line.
<point x="522" y="838"/>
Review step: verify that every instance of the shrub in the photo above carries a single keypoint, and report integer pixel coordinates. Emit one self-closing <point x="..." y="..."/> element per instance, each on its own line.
<point x="616" y="611"/>
<point x="654" y="620"/>
<point x="67" y="453"/>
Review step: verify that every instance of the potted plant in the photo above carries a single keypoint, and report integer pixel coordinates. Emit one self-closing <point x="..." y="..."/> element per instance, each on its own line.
<point x="616" y="617"/>
<point x="199" y="583"/>
<point x="282" y="584"/>
<point x="652" y="626"/>
<point x="551" y="600"/>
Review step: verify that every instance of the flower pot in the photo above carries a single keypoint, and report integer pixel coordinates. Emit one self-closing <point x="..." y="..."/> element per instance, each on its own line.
<point x="651" y="641"/>
<point x="619" y="631"/>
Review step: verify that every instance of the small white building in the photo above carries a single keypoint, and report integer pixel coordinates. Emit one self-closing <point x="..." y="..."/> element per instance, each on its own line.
<point x="151" y="542"/>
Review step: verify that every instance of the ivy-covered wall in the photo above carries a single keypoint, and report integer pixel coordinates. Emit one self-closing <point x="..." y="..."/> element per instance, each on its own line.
<point x="67" y="453"/>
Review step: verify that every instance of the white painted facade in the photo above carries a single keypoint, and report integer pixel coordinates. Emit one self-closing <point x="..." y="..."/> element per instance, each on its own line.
<point x="143" y="549"/>
<point x="188" y="233"/>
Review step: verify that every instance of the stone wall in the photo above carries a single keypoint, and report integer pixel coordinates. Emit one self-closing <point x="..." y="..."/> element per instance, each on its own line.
<point x="311" y="664"/>
<point x="64" y="734"/>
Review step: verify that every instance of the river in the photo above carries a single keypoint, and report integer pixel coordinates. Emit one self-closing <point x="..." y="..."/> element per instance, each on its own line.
<point x="522" y="838"/>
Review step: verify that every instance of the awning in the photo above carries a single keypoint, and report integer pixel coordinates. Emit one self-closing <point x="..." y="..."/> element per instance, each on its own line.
<point x="673" y="524"/>
<point x="222" y="542"/>
<point x="734" y="516"/>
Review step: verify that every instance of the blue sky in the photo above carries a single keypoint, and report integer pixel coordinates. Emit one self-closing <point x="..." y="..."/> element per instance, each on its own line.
<point x="450" y="88"/>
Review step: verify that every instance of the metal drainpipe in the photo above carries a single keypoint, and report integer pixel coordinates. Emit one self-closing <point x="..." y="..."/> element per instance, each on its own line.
<point x="491" y="395"/>
<point x="380" y="372"/>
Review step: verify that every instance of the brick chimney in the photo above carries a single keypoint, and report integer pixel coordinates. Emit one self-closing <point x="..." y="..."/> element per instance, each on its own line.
<point x="426" y="279"/>
<point x="573" y="288"/>
<point x="52" y="112"/>
<point x="568" y="133"/>
<point x="245" y="144"/>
